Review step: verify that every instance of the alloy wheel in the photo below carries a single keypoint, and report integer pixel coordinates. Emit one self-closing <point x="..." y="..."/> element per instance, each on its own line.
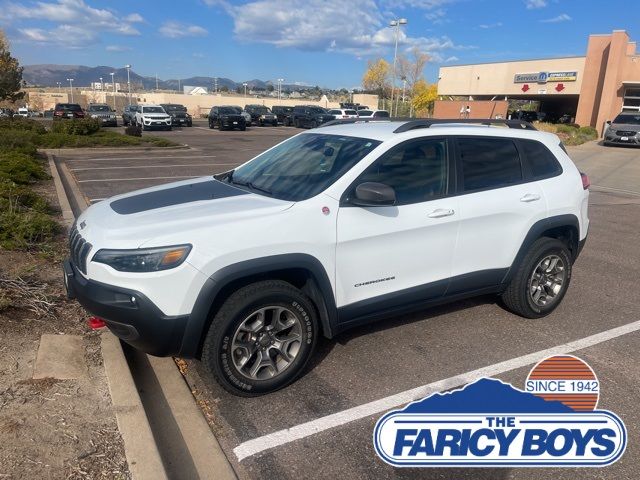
<point x="547" y="280"/>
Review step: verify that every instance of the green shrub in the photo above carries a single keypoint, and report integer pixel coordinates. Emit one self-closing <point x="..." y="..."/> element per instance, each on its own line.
<point x="14" y="196"/>
<point x="20" y="168"/>
<point x="77" y="126"/>
<point x="21" y="229"/>
<point x="588" y="131"/>
<point x="21" y="123"/>
<point x="571" y="130"/>
<point x="133" y="131"/>
<point x="21" y="141"/>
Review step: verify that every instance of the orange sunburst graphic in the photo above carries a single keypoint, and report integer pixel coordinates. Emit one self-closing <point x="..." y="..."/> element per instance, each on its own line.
<point x="567" y="379"/>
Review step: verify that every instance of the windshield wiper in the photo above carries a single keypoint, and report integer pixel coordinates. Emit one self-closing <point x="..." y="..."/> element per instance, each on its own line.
<point x="229" y="178"/>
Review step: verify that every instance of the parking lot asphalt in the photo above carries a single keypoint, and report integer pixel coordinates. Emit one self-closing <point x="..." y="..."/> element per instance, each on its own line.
<point x="376" y="363"/>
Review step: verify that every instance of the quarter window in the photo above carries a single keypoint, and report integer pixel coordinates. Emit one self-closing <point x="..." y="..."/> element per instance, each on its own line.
<point x="416" y="170"/>
<point x="489" y="163"/>
<point x="541" y="162"/>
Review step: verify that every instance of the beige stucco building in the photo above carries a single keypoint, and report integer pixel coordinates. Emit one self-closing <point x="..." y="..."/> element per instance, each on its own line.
<point x="591" y="88"/>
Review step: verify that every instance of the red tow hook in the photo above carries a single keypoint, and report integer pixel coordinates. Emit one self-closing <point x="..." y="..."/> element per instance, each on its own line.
<point x="95" y="323"/>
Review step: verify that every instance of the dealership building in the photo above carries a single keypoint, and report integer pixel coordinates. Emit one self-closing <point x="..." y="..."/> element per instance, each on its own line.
<point x="591" y="89"/>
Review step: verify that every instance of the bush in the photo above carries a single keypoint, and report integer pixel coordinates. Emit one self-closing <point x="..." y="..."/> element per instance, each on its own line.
<point x="21" y="123"/>
<point x="77" y="126"/>
<point x="588" y="131"/>
<point x="133" y="131"/>
<point x="21" y="141"/>
<point x="571" y="130"/>
<point x="20" y="229"/>
<point x="20" y="168"/>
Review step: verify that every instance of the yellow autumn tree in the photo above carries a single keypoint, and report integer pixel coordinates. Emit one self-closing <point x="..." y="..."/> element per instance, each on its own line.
<point x="424" y="95"/>
<point x="376" y="78"/>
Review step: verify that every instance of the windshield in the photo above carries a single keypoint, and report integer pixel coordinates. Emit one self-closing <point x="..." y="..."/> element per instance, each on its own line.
<point x="628" y="119"/>
<point x="301" y="167"/>
<point x="317" y="110"/>
<point x="365" y="113"/>
<point x="152" y="110"/>
<point x="71" y="107"/>
<point x="175" y="108"/>
<point x="260" y="110"/>
<point x="229" y="111"/>
<point x="99" y="108"/>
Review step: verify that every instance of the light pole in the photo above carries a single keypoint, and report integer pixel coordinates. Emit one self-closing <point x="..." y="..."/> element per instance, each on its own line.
<point x="128" y="67"/>
<point x="70" y="80"/>
<point x="395" y="24"/>
<point x="245" y="89"/>
<point x="113" y="88"/>
<point x="215" y="85"/>
<point x="404" y="87"/>
<point x="280" y="80"/>
<point x="59" y="86"/>
<point x="101" y="85"/>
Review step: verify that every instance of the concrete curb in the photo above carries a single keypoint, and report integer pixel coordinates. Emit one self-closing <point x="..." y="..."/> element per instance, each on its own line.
<point x="142" y="432"/>
<point x="71" y="151"/>
<point x="63" y="201"/>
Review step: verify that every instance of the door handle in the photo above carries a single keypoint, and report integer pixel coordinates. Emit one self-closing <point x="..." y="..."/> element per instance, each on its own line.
<point x="530" y="197"/>
<point x="441" y="212"/>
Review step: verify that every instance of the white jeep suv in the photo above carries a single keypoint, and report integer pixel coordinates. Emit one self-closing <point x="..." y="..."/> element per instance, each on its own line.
<point x="152" y="116"/>
<point x="332" y="228"/>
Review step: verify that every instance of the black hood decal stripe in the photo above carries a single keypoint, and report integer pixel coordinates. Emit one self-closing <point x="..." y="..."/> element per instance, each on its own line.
<point x="192" y="192"/>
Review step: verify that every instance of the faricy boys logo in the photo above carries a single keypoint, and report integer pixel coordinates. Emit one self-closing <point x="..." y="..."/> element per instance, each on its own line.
<point x="490" y="423"/>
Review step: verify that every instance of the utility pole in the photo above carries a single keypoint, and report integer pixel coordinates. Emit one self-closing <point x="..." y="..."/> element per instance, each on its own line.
<point x="70" y="80"/>
<point x="215" y="85"/>
<point x="280" y="80"/>
<point x="128" y="67"/>
<point x="395" y="24"/>
<point x="157" y="83"/>
<point x="113" y="89"/>
<point x="245" y="88"/>
<point x="59" y="86"/>
<point x="178" y="85"/>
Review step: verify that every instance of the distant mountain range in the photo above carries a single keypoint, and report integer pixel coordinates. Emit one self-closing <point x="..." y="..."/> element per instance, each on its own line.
<point x="83" y="76"/>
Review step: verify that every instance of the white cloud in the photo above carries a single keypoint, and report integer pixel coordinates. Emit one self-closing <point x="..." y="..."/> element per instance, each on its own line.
<point x="117" y="48"/>
<point x="451" y="59"/>
<point x="437" y="16"/>
<point x="313" y="25"/>
<point x="563" y="17"/>
<point x="172" y="29"/>
<point x="418" y="4"/>
<point x="78" y="24"/>
<point x="532" y="4"/>
<point x="486" y="26"/>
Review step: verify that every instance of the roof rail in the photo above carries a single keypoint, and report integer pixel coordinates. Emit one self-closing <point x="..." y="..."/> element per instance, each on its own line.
<point x="343" y="121"/>
<point x="428" y="122"/>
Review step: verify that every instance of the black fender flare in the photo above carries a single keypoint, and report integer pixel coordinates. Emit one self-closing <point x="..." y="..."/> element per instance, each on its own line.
<point x="535" y="232"/>
<point x="320" y="291"/>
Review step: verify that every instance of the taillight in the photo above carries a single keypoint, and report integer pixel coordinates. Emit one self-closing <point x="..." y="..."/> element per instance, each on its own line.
<point x="57" y="113"/>
<point x="585" y="181"/>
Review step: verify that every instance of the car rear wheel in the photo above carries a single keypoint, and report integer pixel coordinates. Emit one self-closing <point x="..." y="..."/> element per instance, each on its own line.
<point x="541" y="280"/>
<point x="261" y="338"/>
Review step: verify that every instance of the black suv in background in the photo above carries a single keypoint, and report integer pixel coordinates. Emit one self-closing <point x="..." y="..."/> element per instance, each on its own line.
<point x="283" y="114"/>
<point x="129" y="115"/>
<point x="178" y="114"/>
<point x="226" y="117"/>
<point x="261" y="115"/>
<point x="68" y="110"/>
<point x="104" y="113"/>
<point x="310" y="116"/>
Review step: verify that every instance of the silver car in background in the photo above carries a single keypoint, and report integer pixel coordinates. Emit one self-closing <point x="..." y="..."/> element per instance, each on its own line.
<point x="623" y="130"/>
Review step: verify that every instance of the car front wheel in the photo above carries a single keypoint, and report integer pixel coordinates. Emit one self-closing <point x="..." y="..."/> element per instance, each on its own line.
<point x="261" y="338"/>
<point x="541" y="281"/>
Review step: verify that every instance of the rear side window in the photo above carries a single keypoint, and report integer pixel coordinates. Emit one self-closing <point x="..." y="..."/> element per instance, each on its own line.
<point x="382" y="114"/>
<point x="489" y="163"/>
<point x="540" y="161"/>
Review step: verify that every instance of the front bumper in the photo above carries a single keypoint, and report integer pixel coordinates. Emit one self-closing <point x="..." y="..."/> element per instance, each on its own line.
<point x="178" y="121"/>
<point x="614" y="138"/>
<point x="129" y="314"/>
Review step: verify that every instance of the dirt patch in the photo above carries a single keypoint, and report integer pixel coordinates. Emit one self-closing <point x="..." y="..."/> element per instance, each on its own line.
<point x="50" y="428"/>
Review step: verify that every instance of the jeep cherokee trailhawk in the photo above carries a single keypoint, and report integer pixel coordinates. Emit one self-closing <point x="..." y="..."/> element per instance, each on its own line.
<point x="332" y="228"/>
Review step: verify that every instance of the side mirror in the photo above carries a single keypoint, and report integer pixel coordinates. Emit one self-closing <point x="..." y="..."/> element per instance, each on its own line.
<point x="608" y="122"/>
<point x="372" y="194"/>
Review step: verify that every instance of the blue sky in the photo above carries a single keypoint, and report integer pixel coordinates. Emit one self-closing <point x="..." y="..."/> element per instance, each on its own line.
<point x="317" y="42"/>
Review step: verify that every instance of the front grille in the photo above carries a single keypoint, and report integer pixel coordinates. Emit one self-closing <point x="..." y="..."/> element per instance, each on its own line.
<point x="79" y="249"/>
<point x="625" y="133"/>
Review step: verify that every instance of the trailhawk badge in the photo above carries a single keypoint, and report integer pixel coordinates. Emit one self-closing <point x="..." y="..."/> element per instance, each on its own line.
<point x="490" y="423"/>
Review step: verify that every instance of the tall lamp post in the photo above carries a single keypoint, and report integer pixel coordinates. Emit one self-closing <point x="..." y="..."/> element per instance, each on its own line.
<point x="245" y="88"/>
<point x="113" y="88"/>
<point x="128" y="67"/>
<point x="59" y="86"/>
<point x="395" y="24"/>
<point x="280" y="80"/>
<point x="70" y="80"/>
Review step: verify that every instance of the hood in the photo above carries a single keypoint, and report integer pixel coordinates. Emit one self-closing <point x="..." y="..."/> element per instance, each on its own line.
<point x="170" y="211"/>
<point x="625" y="127"/>
<point x="155" y="115"/>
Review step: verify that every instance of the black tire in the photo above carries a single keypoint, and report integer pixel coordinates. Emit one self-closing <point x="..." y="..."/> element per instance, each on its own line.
<point x="220" y="127"/>
<point x="243" y="128"/>
<point x="216" y="354"/>
<point x="517" y="297"/>
<point x="211" y="125"/>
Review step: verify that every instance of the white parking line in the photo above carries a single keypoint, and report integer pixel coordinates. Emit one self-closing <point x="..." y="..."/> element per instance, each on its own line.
<point x="282" y="437"/>
<point x="138" y="158"/>
<point x="141" y="178"/>
<point x="152" y="166"/>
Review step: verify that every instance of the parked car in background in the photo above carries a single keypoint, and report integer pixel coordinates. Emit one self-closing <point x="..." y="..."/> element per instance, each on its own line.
<point x="22" y="112"/>
<point x="179" y="115"/>
<point x="623" y="130"/>
<point x="48" y="113"/>
<point x="6" y="113"/>
<point x="526" y="115"/>
<point x="227" y="117"/>
<point x="104" y="113"/>
<point x="283" y="113"/>
<point x="373" y="114"/>
<point x="152" y="116"/>
<point x="344" y="113"/>
<point x="129" y="114"/>
<point x="247" y="117"/>
<point x="310" y="116"/>
<point x="261" y="115"/>
<point x="68" y="110"/>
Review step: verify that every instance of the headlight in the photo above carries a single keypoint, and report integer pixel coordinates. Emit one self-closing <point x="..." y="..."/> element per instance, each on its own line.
<point x="143" y="259"/>
<point x="94" y="116"/>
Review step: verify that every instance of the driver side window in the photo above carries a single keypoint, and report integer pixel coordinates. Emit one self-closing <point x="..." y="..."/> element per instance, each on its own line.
<point x="417" y="170"/>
